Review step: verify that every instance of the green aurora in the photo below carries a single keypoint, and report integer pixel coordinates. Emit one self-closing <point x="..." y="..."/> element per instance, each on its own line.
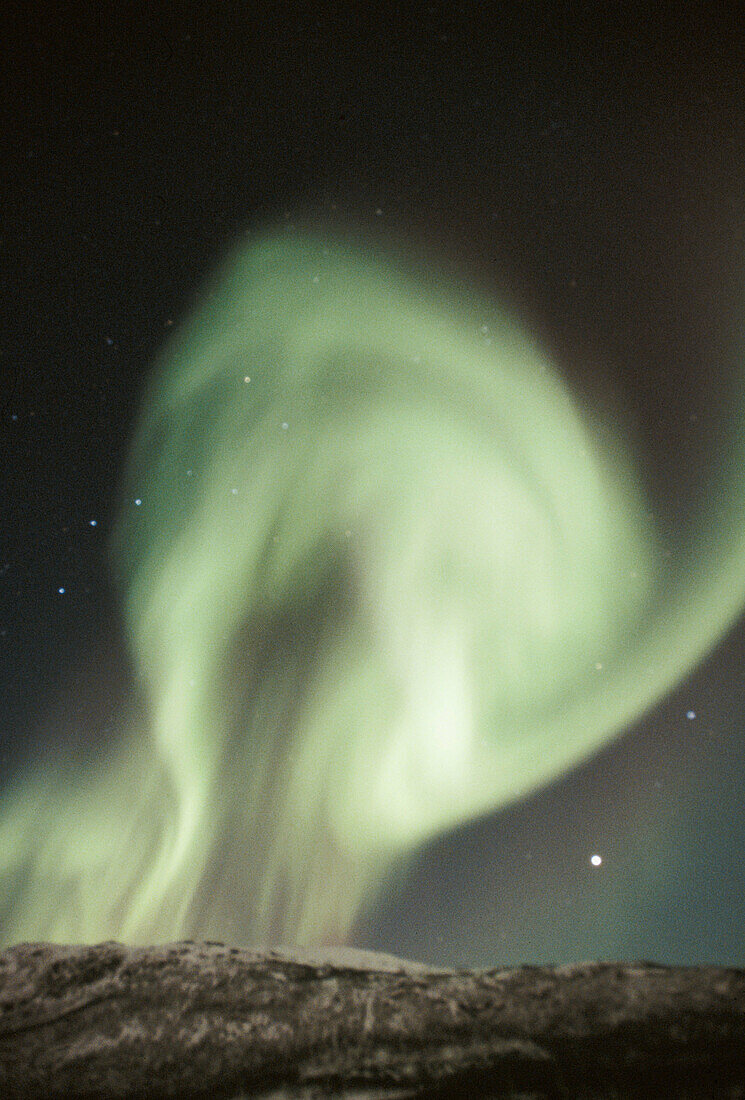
<point x="386" y="575"/>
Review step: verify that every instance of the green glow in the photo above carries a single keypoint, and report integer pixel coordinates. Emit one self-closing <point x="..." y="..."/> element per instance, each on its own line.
<point x="397" y="579"/>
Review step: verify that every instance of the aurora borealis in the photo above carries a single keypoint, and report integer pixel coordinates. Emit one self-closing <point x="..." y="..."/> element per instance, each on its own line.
<point x="386" y="573"/>
<point x="372" y="507"/>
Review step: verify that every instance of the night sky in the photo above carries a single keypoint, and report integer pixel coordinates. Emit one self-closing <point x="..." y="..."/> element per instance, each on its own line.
<point x="585" y="171"/>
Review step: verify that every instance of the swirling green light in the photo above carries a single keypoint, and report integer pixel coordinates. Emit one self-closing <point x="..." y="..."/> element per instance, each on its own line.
<point x="386" y="575"/>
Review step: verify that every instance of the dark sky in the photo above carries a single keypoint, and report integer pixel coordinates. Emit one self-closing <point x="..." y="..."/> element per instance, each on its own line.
<point x="589" y="169"/>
